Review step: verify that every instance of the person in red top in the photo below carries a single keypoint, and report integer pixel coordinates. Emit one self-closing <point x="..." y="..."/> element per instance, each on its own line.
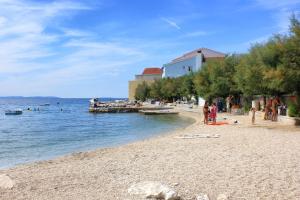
<point x="213" y="112"/>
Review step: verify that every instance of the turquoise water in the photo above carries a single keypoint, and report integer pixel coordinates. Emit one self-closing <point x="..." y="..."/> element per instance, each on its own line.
<point x="66" y="126"/>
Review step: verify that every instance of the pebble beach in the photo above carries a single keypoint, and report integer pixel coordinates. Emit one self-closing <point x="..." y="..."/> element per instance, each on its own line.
<point x="243" y="161"/>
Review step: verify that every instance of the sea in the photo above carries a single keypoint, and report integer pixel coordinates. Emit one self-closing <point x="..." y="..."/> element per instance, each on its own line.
<point x="51" y="127"/>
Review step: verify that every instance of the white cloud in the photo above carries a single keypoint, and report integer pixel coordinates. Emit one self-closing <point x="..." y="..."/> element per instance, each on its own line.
<point x="2" y="21"/>
<point x="283" y="19"/>
<point x="171" y="23"/>
<point x="76" y="33"/>
<point x="33" y="60"/>
<point x="22" y="35"/>
<point x="103" y="48"/>
<point x="261" y="39"/>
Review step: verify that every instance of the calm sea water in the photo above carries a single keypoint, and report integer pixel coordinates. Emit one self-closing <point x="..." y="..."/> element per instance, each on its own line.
<point x="66" y="126"/>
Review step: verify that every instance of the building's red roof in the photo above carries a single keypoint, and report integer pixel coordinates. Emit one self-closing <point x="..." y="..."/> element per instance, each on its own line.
<point x="152" y="71"/>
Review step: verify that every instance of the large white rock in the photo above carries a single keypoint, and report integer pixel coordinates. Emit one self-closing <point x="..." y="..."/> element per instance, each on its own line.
<point x="202" y="196"/>
<point x="222" y="197"/>
<point x="152" y="189"/>
<point x="6" y="182"/>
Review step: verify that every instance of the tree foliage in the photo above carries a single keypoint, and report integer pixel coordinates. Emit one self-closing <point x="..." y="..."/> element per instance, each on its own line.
<point x="142" y="91"/>
<point x="215" y="79"/>
<point x="272" y="67"/>
<point x="291" y="59"/>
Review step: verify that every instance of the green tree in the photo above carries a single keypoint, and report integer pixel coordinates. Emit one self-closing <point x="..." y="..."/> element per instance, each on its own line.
<point x="215" y="79"/>
<point x="273" y="67"/>
<point x="187" y="86"/>
<point x="291" y="59"/>
<point x="170" y="89"/>
<point x="271" y="56"/>
<point x="202" y="83"/>
<point x="142" y="91"/>
<point x="156" y="90"/>
<point x="249" y="74"/>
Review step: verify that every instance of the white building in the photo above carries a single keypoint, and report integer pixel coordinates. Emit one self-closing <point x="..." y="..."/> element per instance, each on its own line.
<point x="190" y="62"/>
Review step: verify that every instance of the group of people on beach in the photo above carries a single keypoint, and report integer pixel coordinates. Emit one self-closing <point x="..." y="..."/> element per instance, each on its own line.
<point x="271" y="109"/>
<point x="210" y="112"/>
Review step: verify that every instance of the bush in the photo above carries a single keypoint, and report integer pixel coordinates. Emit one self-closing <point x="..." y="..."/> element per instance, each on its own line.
<point x="246" y="104"/>
<point x="246" y="109"/>
<point x="293" y="109"/>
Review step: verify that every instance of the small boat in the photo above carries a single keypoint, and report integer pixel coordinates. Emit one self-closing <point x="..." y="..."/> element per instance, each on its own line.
<point x="46" y="104"/>
<point x="13" y="112"/>
<point x="158" y="112"/>
<point x="94" y="100"/>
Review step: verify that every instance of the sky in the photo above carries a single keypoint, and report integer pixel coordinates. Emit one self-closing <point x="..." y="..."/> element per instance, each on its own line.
<point x="93" y="48"/>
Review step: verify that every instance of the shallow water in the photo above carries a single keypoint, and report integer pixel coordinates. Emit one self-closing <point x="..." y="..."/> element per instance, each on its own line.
<point x="66" y="126"/>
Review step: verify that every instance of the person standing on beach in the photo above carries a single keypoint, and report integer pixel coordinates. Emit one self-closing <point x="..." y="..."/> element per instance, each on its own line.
<point x="205" y="112"/>
<point x="275" y="104"/>
<point x="253" y="110"/>
<point x="213" y="113"/>
<point x="229" y="103"/>
<point x="268" y="109"/>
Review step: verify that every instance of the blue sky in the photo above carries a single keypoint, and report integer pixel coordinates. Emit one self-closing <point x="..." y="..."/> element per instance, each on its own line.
<point x="92" y="48"/>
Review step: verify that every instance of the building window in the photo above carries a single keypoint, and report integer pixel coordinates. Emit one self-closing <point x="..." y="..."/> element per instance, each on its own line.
<point x="189" y="68"/>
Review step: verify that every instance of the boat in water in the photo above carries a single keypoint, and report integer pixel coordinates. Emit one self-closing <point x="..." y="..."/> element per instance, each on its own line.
<point x="94" y="100"/>
<point x="46" y="104"/>
<point x="158" y="112"/>
<point x="13" y="112"/>
<point x="95" y="103"/>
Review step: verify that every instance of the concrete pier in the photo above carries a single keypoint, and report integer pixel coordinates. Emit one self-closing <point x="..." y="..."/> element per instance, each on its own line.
<point x="124" y="109"/>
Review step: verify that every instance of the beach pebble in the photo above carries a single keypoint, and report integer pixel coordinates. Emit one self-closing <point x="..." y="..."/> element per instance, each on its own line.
<point x="195" y="136"/>
<point x="6" y="182"/>
<point x="176" y="184"/>
<point x="202" y="196"/>
<point x="222" y="197"/>
<point x="152" y="189"/>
